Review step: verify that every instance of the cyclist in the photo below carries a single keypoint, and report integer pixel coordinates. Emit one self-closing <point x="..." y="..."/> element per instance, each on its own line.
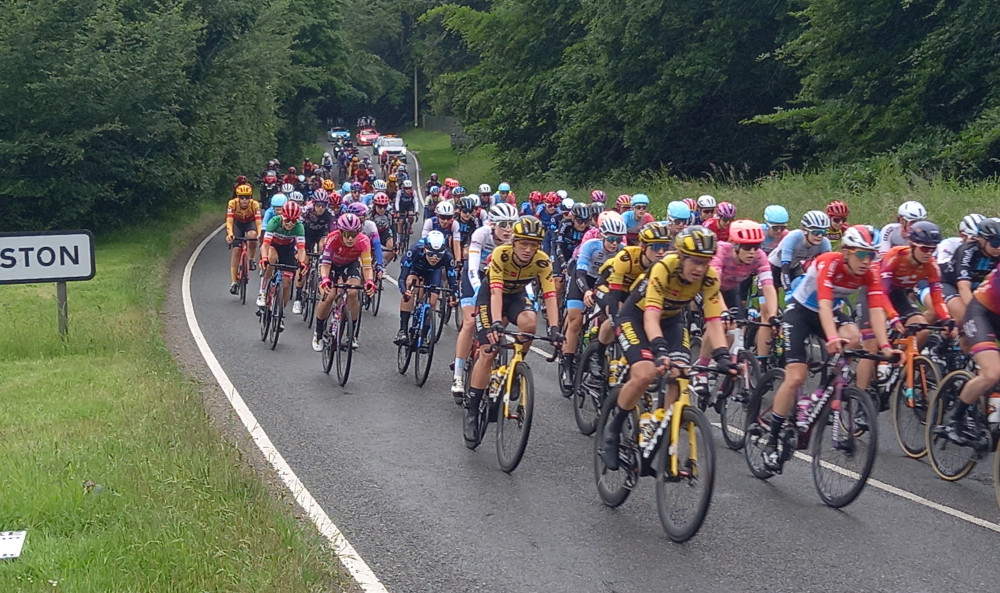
<point x="548" y="214"/>
<point x="838" y="212"/>
<point x="483" y="241"/>
<point x="468" y="221"/>
<point x="318" y="223"/>
<point x="445" y="222"/>
<point x="284" y="243"/>
<point x="277" y="201"/>
<point x="382" y="216"/>
<point x="327" y="164"/>
<point x="623" y="203"/>
<point x="568" y="237"/>
<point x="594" y="232"/>
<point x="637" y="217"/>
<point x="392" y="185"/>
<point x="789" y="258"/>
<point x="405" y="203"/>
<point x="503" y="191"/>
<point x="369" y="229"/>
<point x="512" y="267"/>
<point x="355" y="195"/>
<point x="678" y="216"/>
<point x="242" y="220"/>
<point x="719" y="224"/>
<point x="651" y="328"/>
<point x="584" y="275"/>
<point x="347" y="258"/>
<point x="432" y="181"/>
<point x="894" y="234"/>
<point x="706" y="209"/>
<point x="968" y="229"/>
<point x="775" y="227"/>
<point x="485" y="195"/>
<point x="423" y="265"/>
<point x="534" y="201"/>
<point x="813" y="311"/>
<point x="970" y="265"/>
<point x="291" y="177"/>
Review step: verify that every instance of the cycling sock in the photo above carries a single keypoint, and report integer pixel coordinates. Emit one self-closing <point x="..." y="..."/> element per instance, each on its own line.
<point x="298" y="294"/>
<point x="320" y="326"/>
<point x="476" y="394"/>
<point x="459" y="367"/>
<point x="404" y="320"/>
<point x="702" y="361"/>
<point x="776" y="423"/>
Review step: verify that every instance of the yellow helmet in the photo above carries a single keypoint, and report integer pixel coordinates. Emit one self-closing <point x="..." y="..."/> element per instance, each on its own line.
<point x="328" y="184"/>
<point x="244" y="189"/>
<point x="529" y="228"/>
<point x="696" y="241"/>
<point x="392" y="178"/>
<point x="654" y="232"/>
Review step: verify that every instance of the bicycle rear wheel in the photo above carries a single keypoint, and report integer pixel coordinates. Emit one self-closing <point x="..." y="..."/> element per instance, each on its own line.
<point x="843" y="450"/>
<point x="277" y="316"/>
<point x="909" y="422"/>
<point x="951" y="462"/>
<point x="514" y="419"/>
<point x="734" y="399"/>
<point x="443" y="313"/>
<point x="589" y="390"/>
<point x="683" y="497"/>
<point x="424" y="349"/>
<point x="614" y="486"/>
<point x="377" y="298"/>
<point x="344" y="337"/>
<point x="265" y="322"/>
<point x="329" y="343"/>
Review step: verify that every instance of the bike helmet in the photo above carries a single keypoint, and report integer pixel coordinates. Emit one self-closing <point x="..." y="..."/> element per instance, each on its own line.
<point x="380" y="199"/>
<point x="745" y="232"/>
<point x="989" y="230"/>
<point x="435" y="190"/>
<point x="837" y="209"/>
<point x="291" y="211"/>
<point x="912" y="211"/>
<point x="296" y="196"/>
<point x="596" y="208"/>
<point x="378" y="185"/>
<point x="535" y="197"/>
<point x="357" y="208"/>
<point x="326" y="154"/>
<point x="277" y="201"/>
<point x="407" y="184"/>
<point x="529" y="228"/>
<point x="485" y="189"/>
<point x="452" y="183"/>
<point x="858" y="236"/>
<point x="434" y="177"/>
<point x="244" y="190"/>
<point x="468" y="204"/>
<point x="654" y="232"/>
<point x="706" y="201"/>
<point x="815" y="219"/>
<point x="775" y="214"/>
<point x="562" y="194"/>
<point x="970" y="224"/>
<point x="302" y="178"/>
<point x="393" y="178"/>
<point x="444" y="209"/>
<point x="356" y="186"/>
<point x="726" y="210"/>
<point x="329" y="185"/>
<point x="241" y="180"/>
<point x="598" y="196"/>
<point x="640" y="199"/>
<point x="581" y="211"/>
<point x="321" y="196"/>
<point x="346" y="188"/>
<point x="696" y="241"/>
<point x="287" y="188"/>
<point x="291" y="171"/>
<point x="349" y="222"/>
<point x="691" y="203"/>
<point x="336" y="199"/>
<point x="552" y="199"/>
<point x="623" y="201"/>
<point x="924" y="232"/>
<point x="503" y="187"/>
<point x="678" y="211"/>
<point x="567" y="204"/>
<point x="503" y="212"/>
<point x="434" y="243"/>
<point x="457" y="191"/>
<point x="613" y="224"/>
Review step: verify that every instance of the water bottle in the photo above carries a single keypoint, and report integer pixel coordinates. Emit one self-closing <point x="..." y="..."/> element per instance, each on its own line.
<point x="805" y="406"/>
<point x="647" y="426"/>
<point x="993" y="407"/>
<point x="884" y="371"/>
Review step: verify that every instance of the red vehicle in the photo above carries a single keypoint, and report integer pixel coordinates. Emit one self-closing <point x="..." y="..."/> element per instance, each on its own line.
<point x="366" y="136"/>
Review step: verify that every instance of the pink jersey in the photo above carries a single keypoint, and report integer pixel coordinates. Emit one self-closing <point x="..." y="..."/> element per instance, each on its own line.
<point x="732" y="272"/>
<point x="592" y="233"/>
<point x="335" y="253"/>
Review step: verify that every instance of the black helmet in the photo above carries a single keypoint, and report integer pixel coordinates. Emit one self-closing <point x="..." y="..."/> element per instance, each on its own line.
<point x="989" y="230"/>
<point x="924" y="232"/>
<point x="581" y="211"/>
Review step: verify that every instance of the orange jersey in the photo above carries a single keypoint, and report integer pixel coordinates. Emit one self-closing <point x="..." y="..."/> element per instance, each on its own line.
<point x="900" y="272"/>
<point x="242" y="214"/>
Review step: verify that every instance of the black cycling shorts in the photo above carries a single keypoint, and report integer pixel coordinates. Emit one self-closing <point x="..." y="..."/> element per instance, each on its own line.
<point x="343" y="273"/>
<point x="286" y="254"/>
<point x="980" y="327"/>
<point x="631" y="336"/>
<point x="900" y="299"/>
<point x="513" y="305"/>
<point x="799" y="323"/>
<point x="240" y="229"/>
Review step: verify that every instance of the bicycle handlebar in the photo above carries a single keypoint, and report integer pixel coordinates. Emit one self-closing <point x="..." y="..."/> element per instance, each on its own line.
<point x="892" y="359"/>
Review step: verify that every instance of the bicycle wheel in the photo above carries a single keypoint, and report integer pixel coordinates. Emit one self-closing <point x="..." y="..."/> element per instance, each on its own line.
<point x="909" y="414"/>
<point x="425" y="349"/>
<point x="951" y="462"/>
<point x="843" y="451"/>
<point x="514" y="419"/>
<point x="309" y="306"/>
<point x="377" y="302"/>
<point x="589" y="390"/>
<point x="996" y="474"/>
<point x="683" y="497"/>
<point x="277" y="317"/>
<point x="443" y="313"/>
<point x="614" y="486"/>
<point x="265" y="322"/>
<point x="242" y="278"/>
<point x="344" y="337"/>
<point x="734" y="398"/>
<point x="758" y="422"/>
<point x="329" y="343"/>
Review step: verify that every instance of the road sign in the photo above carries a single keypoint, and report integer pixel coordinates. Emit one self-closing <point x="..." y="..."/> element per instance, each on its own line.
<point x="48" y="256"/>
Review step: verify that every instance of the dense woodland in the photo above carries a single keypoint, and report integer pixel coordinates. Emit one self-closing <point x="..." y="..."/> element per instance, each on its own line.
<point x="114" y="109"/>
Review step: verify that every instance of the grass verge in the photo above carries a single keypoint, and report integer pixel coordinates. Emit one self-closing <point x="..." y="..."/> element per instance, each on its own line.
<point x="436" y="155"/>
<point x="109" y="461"/>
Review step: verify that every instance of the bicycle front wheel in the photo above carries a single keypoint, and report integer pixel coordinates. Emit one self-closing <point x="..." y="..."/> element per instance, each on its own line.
<point x="443" y="313"/>
<point x="377" y="299"/>
<point x="277" y="316"/>
<point x="734" y="400"/>
<point x="425" y="349"/>
<point x="909" y="411"/>
<point x="344" y="339"/>
<point x="951" y="462"/>
<point x="514" y="419"/>
<point x="683" y="496"/>
<point x="265" y="322"/>
<point x="243" y="277"/>
<point x="589" y="390"/>
<point x="758" y="428"/>
<point x="844" y="445"/>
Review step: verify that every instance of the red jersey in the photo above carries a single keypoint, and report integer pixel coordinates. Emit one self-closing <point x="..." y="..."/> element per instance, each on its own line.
<point x="829" y="279"/>
<point x="900" y="272"/>
<point x="337" y="254"/>
<point x="712" y="224"/>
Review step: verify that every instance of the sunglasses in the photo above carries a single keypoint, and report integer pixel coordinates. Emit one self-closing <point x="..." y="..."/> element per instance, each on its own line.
<point x="778" y="227"/>
<point x="528" y="244"/>
<point x="433" y="255"/>
<point x="864" y="254"/>
<point x="445" y="217"/>
<point x="503" y="224"/>
<point x="659" y="247"/>
<point x="679" y="221"/>
<point x="818" y="232"/>
<point x="639" y="206"/>
<point x="581" y="220"/>
<point x="750" y="247"/>
<point x="926" y="248"/>
<point x="994" y="243"/>
<point x="838" y="220"/>
<point x="244" y="197"/>
<point x="709" y="211"/>
<point x="348" y="234"/>
<point x="290" y="221"/>
<point x="614" y="239"/>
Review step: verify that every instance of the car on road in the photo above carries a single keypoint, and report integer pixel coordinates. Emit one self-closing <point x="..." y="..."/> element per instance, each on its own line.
<point x="366" y="136"/>
<point x="338" y="134"/>
<point x="391" y="146"/>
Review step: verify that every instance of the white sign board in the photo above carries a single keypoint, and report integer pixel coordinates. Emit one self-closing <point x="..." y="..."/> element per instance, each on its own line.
<point x="56" y="256"/>
<point x="11" y="543"/>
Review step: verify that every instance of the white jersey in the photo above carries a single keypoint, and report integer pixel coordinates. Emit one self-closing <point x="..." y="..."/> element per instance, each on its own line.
<point x="482" y="242"/>
<point x="946" y="249"/>
<point x="890" y="236"/>
<point x="370" y="228"/>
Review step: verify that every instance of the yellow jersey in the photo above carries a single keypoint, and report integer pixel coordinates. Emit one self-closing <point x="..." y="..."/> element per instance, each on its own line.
<point x="504" y="273"/>
<point x="621" y="271"/>
<point x="242" y="214"/>
<point x="662" y="289"/>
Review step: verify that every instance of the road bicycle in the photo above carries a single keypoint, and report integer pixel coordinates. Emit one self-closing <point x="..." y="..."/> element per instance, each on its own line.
<point x="340" y="333"/>
<point x="671" y="442"/>
<point x="953" y="462"/>
<point x="272" y="315"/>
<point x="841" y="460"/>
<point x="243" y="267"/>
<point x="595" y="376"/>
<point x="910" y="385"/>
<point x="374" y="302"/>
<point x="445" y="310"/>
<point x="421" y="337"/>
<point x="510" y="398"/>
<point x="589" y="327"/>
<point x="310" y="292"/>
<point x="403" y="239"/>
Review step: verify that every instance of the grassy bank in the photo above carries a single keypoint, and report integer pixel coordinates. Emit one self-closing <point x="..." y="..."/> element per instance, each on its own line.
<point x="873" y="196"/>
<point x="109" y="461"/>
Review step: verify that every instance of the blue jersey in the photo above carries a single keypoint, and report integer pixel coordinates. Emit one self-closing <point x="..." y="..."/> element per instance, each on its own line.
<point x="593" y="255"/>
<point x="415" y="262"/>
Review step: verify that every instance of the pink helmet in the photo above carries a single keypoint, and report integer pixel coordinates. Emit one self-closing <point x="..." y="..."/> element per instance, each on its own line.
<point x="321" y="196"/>
<point x="623" y="200"/>
<point x="726" y="210"/>
<point x="357" y="208"/>
<point x="745" y="232"/>
<point x="598" y="196"/>
<point x="349" y="222"/>
<point x="691" y="203"/>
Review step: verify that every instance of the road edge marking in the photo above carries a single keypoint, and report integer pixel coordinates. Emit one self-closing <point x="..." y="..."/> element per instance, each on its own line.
<point x="348" y="556"/>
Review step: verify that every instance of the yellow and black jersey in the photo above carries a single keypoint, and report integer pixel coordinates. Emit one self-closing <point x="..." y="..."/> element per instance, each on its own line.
<point x="663" y="289"/>
<point x="621" y="271"/>
<point x="504" y="273"/>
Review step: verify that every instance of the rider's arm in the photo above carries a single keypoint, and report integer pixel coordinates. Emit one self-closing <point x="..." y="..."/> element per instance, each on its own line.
<point x="877" y="300"/>
<point x="256" y="219"/>
<point x="404" y="270"/>
<point x="456" y="240"/>
<point x="366" y="263"/>
<point x="376" y="244"/>
<point x="825" y="271"/>
<point x="428" y="225"/>
<point x="229" y="220"/>
<point x="965" y="290"/>
<point x="451" y="275"/>
<point x="548" y="288"/>
<point x="937" y="298"/>
<point x="472" y="266"/>
<point x="886" y="276"/>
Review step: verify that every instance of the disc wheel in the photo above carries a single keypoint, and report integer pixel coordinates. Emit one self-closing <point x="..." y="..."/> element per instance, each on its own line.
<point x="683" y="496"/>
<point x="613" y="485"/>
<point x="734" y="400"/>
<point x="424" y="349"/>
<point x="589" y="390"/>
<point x="514" y="419"/>
<point x="344" y="337"/>
<point x="951" y="462"/>
<point x="843" y="450"/>
<point x="909" y="414"/>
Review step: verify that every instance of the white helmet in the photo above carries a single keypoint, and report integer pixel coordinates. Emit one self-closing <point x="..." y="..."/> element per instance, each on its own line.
<point x="815" y="219"/>
<point x="613" y="224"/>
<point x="296" y="196"/>
<point x="563" y="195"/>
<point x="858" y="237"/>
<point x="435" y="241"/>
<point x="912" y="211"/>
<point x="302" y="178"/>
<point x="287" y="188"/>
<point x="706" y="201"/>
<point x="326" y="154"/>
<point x="485" y="189"/>
<point x="970" y="224"/>
<point x="444" y="208"/>
<point x="407" y="184"/>
<point x="567" y="204"/>
<point x="379" y="185"/>
<point x="503" y="212"/>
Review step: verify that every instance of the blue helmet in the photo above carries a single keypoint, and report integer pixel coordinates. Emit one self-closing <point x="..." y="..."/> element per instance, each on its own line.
<point x="640" y="199"/>
<point x="278" y="200"/>
<point x="775" y="214"/>
<point x="504" y="187"/>
<point x="346" y="187"/>
<point x="678" y="211"/>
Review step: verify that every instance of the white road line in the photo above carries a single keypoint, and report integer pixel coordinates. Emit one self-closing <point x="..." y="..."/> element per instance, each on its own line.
<point x="348" y="556"/>
<point x="883" y="486"/>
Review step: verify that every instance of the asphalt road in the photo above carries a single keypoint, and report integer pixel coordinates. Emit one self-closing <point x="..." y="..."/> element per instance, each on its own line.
<point x="387" y="462"/>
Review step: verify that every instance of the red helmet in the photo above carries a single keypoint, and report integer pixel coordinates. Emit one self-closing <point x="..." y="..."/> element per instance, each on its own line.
<point x="838" y="209"/>
<point x="291" y="211"/>
<point x="381" y="199"/>
<point x="241" y="180"/>
<point x="452" y="183"/>
<point x="270" y="179"/>
<point x="691" y="203"/>
<point x="623" y="201"/>
<point x="745" y="232"/>
<point x="336" y="198"/>
<point x="552" y="198"/>
<point x="535" y="197"/>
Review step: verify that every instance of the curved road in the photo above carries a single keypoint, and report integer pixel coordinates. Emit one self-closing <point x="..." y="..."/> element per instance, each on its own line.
<point x="387" y="462"/>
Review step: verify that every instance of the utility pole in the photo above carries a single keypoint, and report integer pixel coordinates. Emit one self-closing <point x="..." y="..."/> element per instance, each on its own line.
<point x="415" y="120"/>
